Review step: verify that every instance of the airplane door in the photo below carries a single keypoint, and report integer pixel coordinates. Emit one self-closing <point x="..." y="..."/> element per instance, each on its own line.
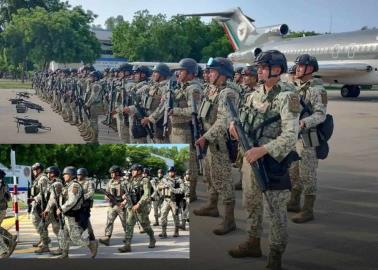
<point x="335" y="51"/>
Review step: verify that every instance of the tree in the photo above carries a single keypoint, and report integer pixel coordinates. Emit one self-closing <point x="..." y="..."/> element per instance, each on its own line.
<point x="112" y="22"/>
<point x="293" y="34"/>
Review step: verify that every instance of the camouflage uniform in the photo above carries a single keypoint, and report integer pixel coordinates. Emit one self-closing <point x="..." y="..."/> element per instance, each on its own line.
<point x="303" y="172"/>
<point x="185" y="208"/>
<point x="279" y="140"/>
<point x="123" y="129"/>
<point x="95" y="107"/>
<point x="217" y="169"/>
<point x="139" y="191"/>
<point x="40" y="184"/>
<point x="89" y="190"/>
<point x="117" y="189"/>
<point x="156" y="198"/>
<point x="171" y="188"/>
<point x="5" y="236"/>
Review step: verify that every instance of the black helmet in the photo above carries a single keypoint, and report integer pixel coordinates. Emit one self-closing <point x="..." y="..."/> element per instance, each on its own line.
<point x="238" y="70"/>
<point x="90" y="68"/>
<point x="249" y="71"/>
<point x="125" y="68"/>
<point x="106" y="70"/>
<point x="96" y="74"/>
<point x="73" y="70"/>
<point x="142" y="69"/>
<point x="70" y="170"/>
<point x="136" y="167"/>
<point x="53" y="169"/>
<point x="2" y="174"/>
<point x="66" y="71"/>
<point x="172" y="169"/>
<point x="147" y="171"/>
<point x="222" y="65"/>
<point x="82" y="171"/>
<point x="272" y="58"/>
<point x="189" y="65"/>
<point x="116" y="169"/>
<point x="163" y="70"/>
<point x="308" y="60"/>
<point x="37" y="166"/>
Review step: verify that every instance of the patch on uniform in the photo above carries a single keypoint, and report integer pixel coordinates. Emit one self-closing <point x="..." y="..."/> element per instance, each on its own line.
<point x="75" y="189"/>
<point x="324" y="98"/>
<point x="294" y="104"/>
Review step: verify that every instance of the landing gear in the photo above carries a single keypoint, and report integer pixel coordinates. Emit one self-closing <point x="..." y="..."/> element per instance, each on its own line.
<point x="350" y="91"/>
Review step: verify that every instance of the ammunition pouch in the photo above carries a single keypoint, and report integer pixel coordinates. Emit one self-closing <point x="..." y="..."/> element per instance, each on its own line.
<point x="138" y="130"/>
<point x="88" y="204"/>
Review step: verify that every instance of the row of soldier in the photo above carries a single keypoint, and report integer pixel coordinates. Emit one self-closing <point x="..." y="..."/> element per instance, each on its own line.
<point x="271" y="110"/>
<point x="66" y="205"/>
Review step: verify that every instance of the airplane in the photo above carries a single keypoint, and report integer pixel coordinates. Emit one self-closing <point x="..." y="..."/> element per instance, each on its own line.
<point x="349" y="58"/>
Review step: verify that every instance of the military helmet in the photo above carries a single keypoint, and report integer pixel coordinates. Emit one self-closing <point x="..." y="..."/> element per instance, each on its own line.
<point x="73" y="70"/>
<point x="107" y="69"/>
<point x="163" y="70"/>
<point x="37" y="166"/>
<point x="142" y="69"/>
<point x="222" y="65"/>
<point x="69" y="170"/>
<point x="89" y="67"/>
<point x="96" y="74"/>
<point x="53" y="169"/>
<point x="292" y="69"/>
<point x="308" y="60"/>
<point x="147" y="171"/>
<point x="250" y="70"/>
<point x="116" y="169"/>
<point x="2" y="174"/>
<point x="136" y="167"/>
<point x="238" y="70"/>
<point x="189" y="64"/>
<point x="172" y="169"/>
<point x="125" y="68"/>
<point x="82" y="171"/>
<point x="272" y="58"/>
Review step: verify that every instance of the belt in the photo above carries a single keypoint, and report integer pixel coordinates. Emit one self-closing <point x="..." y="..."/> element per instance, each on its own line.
<point x="181" y="125"/>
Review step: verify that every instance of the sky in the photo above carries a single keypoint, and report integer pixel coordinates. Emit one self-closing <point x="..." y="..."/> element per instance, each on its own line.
<point x="299" y="15"/>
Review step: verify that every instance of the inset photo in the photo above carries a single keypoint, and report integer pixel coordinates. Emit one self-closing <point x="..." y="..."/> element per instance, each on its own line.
<point x="94" y="201"/>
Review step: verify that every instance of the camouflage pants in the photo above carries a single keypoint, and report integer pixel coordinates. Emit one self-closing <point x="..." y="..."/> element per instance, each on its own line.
<point x="157" y="207"/>
<point x="3" y="246"/>
<point x="39" y="225"/>
<point x="113" y="213"/>
<point x="303" y="172"/>
<point x="185" y="211"/>
<point x="180" y="135"/>
<point x="142" y="216"/>
<point x="277" y="218"/>
<point x="252" y="201"/>
<point x="73" y="112"/>
<point x="73" y="232"/>
<point x="217" y="173"/>
<point x="95" y="111"/>
<point x="169" y="205"/>
<point x="123" y="131"/>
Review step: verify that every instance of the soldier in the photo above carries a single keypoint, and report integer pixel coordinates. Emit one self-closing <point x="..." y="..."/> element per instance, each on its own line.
<point x="93" y="104"/>
<point x="7" y="241"/>
<point x="38" y="190"/>
<point x="186" y="201"/>
<point x="238" y="79"/>
<point x="156" y="197"/>
<point x="137" y="203"/>
<point x="217" y="172"/>
<point x="172" y="189"/>
<point x="89" y="190"/>
<point x="249" y="82"/>
<point x="303" y="172"/>
<point x="69" y="205"/>
<point x="116" y="209"/>
<point x="274" y="141"/>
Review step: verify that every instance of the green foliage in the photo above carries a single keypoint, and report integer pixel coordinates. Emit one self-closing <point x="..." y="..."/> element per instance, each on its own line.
<point x="301" y="34"/>
<point x="154" y="38"/>
<point x="96" y="158"/>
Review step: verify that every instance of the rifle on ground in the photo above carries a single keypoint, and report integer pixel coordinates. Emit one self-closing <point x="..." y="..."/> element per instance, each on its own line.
<point x="28" y="104"/>
<point x="23" y="94"/>
<point x="30" y="125"/>
<point x="197" y="130"/>
<point x="168" y="107"/>
<point x="258" y="167"/>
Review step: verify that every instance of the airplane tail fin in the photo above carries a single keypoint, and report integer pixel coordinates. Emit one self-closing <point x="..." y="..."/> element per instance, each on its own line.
<point x="238" y="27"/>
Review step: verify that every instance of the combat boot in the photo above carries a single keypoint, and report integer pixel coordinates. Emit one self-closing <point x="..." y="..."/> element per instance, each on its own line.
<point x="183" y="225"/>
<point x="156" y="221"/>
<point x="126" y="247"/>
<point x="42" y="249"/>
<point x="105" y="240"/>
<point x="238" y="185"/>
<point x="307" y="212"/>
<point x="64" y="255"/>
<point x="176" y="233"/>
<point x="192" y="191"/>
<point x="228" y="224"/>
<point x="93" y="246"/>
<point x="274" y="260"/>
<point x="152" y="239"/>
<point x="37" y="244"/>
<point x="163" y="233"/>
<point x="57" y="252"/>
<point x="211" y="209"/>
<point x="249" y="248"/>
<point x="294" y="205"/>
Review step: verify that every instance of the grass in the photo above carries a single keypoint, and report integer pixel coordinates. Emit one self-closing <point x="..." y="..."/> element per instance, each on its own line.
<point x="14" y="84"/>
<point x="21" y="204"/>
